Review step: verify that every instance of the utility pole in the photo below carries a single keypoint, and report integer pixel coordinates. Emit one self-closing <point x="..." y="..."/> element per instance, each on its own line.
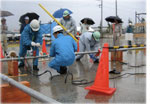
<point x="101" y="22"/>
<point x="101" y="16"/>
<point x="135" y="17"/>
<point x="116" y="8"/>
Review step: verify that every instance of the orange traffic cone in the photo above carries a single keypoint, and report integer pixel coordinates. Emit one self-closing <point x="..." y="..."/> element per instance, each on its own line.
<point x="1" y="52"/>
<point x="101" y="83"/>
<point x="78" y="45"/>
<point x="78" y="42"/>
<point x="44" y="48"/>
<point x="1" y="56"/>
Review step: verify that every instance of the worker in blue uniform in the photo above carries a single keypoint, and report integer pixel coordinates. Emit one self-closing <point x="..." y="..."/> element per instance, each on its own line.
<point x="63" y="49"/>
<point x="30" y="37"/>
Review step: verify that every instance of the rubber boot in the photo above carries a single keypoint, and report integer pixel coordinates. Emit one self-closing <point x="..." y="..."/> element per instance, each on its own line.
<point x="114" y="72"/>
<point x="96" y="61"/>
<point x="21" y="64"/>
<point x="63" y="70"/>
<point x="35" y="68"/>
<point x="78" y="59"/>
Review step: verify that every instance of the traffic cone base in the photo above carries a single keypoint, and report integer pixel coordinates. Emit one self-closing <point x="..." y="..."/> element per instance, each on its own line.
<point x="108" y="91"/>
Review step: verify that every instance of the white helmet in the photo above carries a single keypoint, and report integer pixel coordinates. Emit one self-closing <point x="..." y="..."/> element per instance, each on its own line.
<point x="26" y="18"/>
<point x="57" y="28"/>
<point x="35" y="25"/>
<point x="130" y="23"/>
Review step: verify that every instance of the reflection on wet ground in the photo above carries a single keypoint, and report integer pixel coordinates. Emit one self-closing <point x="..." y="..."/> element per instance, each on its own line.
<point x="129" y="88"/>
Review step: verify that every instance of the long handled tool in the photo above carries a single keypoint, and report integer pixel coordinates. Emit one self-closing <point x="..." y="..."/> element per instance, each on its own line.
<point x="57" y="22"/>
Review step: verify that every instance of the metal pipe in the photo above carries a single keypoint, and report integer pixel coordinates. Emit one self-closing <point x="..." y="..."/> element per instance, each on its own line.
<point x="23" y="58"/>
<point x="29" y="91"/>
<point x="76" y="53"/>
<point x="44" y="56"/>
<point x="80" y="53"/>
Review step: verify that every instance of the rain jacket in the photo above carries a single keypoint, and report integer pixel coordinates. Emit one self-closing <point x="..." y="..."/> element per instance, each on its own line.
<point x="70" y="25"/>
<point x="116" y="34"/>
<point x="3" y="39"/>
<point x="27" y="37"/>
<point x="129" y="34"/>
<point x="84" y="28"/>
<point x="129" y="29"/>
<point x="62" y="48"/>
<point x="87" y="43"/>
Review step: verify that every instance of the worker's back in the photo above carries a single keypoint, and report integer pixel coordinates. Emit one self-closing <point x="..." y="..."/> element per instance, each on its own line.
<point x="89" y="42"/>
<point x="86" y="36"/>
<point x="63" y="48"/>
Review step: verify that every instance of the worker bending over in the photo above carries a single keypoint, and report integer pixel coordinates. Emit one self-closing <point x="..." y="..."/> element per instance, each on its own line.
<point x="89" y="42"/>
<point x="30" y="37"/>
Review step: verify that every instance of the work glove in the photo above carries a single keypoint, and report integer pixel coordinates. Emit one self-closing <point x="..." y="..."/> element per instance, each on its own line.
<point x="68" y="31"/>
<point x="98" y="53"/>
<point x="96" y="61"/>
<point x="37" y="44"/>
<point x="93" y="57"/>
<point x="43" y="38"/>
<point x="48" y="35"/>
<point x="33" y="44"/>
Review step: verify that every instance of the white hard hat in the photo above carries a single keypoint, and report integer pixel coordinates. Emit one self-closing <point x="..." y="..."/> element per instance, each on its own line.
<point x="35" y="25"/>
<point x="57" y="28"/>
<point x="26" y="18"/>
<point x="130" y="23"/>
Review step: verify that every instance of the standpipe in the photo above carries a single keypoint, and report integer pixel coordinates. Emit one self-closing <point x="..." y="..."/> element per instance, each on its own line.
<point x="57" y="22"/>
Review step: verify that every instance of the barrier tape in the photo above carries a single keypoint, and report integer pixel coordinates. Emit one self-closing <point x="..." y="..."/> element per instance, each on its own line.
<point x="126" y="46"/>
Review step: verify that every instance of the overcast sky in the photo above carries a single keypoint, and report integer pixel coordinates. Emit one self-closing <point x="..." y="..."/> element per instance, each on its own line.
<point x="80" y="9"/>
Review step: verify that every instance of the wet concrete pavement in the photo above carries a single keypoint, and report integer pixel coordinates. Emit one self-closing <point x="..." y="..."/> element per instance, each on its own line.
<point x="129" y="88"/>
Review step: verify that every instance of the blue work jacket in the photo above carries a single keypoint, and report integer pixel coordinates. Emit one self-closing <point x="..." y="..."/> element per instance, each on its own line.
<point x="63" y="48"/>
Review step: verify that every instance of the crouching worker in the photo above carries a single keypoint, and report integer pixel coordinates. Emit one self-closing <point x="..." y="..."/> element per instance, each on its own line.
<point x="63" y="49"/>
<point x="30" y="37"/>
<point x="89" y="42"/>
